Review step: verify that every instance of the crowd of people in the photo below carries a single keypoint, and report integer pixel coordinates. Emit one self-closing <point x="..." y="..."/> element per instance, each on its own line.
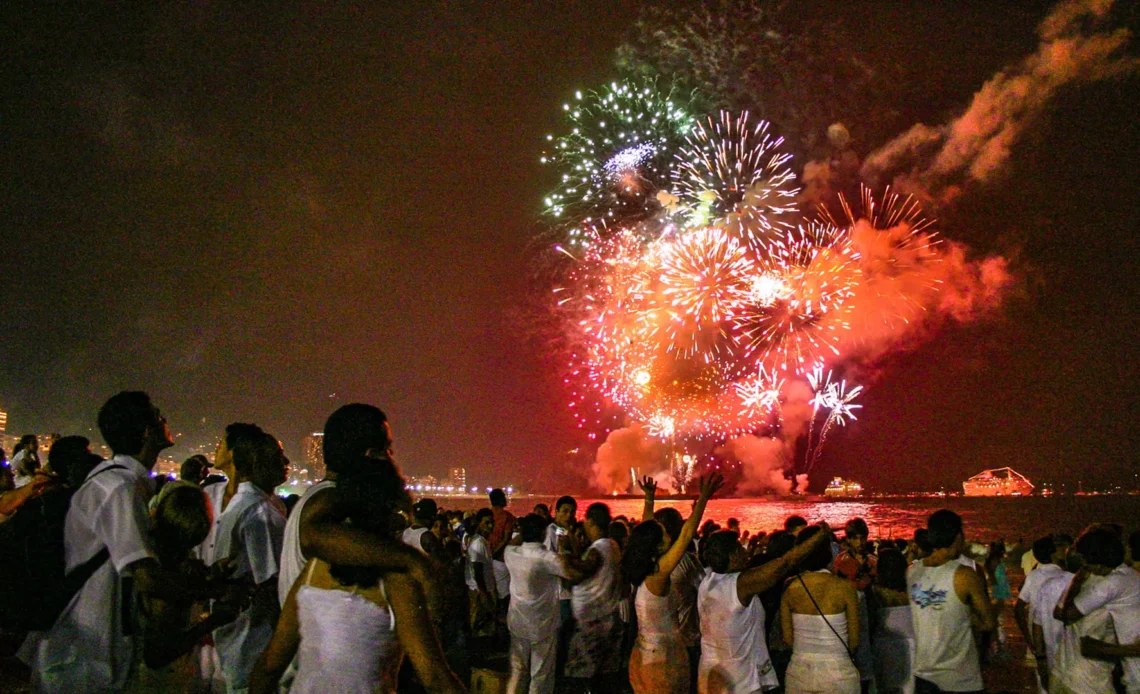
<point x="116" y="580"/>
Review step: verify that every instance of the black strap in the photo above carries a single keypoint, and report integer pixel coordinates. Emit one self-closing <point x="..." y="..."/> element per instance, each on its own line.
<point x="821" y="614"/>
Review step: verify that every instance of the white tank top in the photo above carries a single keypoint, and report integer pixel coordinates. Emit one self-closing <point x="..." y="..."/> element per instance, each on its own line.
<point x="733" y="647"/>
<point x="411" y="537"/>
<point x="811" y="635"/>
<point x="945" y="652"/>
<point x="656" y="619"/>
<point x="292" y="560"/>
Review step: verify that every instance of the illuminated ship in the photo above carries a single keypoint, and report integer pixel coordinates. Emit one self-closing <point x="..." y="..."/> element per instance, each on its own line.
<point x="1003" y="481"/>
<point x="842" y="488"/>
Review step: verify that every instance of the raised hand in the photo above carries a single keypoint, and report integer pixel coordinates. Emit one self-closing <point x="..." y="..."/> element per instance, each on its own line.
<point x="710" y="484"/>
<point x="647" y="485"/>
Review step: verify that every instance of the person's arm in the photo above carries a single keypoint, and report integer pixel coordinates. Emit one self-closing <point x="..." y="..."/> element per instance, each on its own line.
<point x="852" y="608"/>
<point x="579" y="569"/>
<point x="417" y="635"/>
<point x="480" y="561"/>
<point x="13" y="500"/>
<point x="282" y="647"/>
<point x="649" y="486"/>
<point x="169" y="645"/>
<point x="786" y="625"/>
<point x="755" y="581"/>
<point x="659" y="580"/>
<point x="971" y="590"/>
<point x="1103" y="650"/>
<point x="1040" y="654"/>
<point x="431" y="544"/>
<point x="1021" y="616"/>
<point x="1066" y="611"/>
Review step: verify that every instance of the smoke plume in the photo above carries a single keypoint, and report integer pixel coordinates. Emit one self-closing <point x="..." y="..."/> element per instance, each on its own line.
<point x="629" y="448"/>
<point x="937" y="162"/>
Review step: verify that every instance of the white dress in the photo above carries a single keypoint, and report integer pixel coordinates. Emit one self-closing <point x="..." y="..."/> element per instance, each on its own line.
<point x="821" y="662"/>
<point x="659" y="663"/>
<point x="348" y="644"/>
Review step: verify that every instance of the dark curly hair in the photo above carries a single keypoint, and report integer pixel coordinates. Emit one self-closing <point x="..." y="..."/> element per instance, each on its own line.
<point x="642" y="551"/>
<point x="368" y="493"/>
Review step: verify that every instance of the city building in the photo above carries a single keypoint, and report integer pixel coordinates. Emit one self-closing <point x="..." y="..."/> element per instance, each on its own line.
<point x="457" y="477"/>
<point x="3" y="422"/>
<point x="313" y="455"/>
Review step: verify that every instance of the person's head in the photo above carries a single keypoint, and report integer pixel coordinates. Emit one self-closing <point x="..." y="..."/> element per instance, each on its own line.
<point x="891" y="570"/>
<point x="820" y="557"/>
<point x="1044" y="549"/>
<point x="354" y="431"/>
<point x="708" y="528"/>
<point x="542" y="510"/>
<point x="944" y="530"/>
<point x="647" y="542"/>
<point x="28" y="442"/>
<point x="1101" y="549"/>
<point x="780" y="543"/>
<point x="181" y="519"/>
<point x="194" y="469"/>
<point x="795" y="524"/>
<point x="723" y="553"/>
<point x="597" y="523"/>
<point x="994" y="554"/>
<point x="71" y="458"/>
<point x="671" y="520"/>
<point x="498" y="498"/>
<point x="131" y="425"/>
<point x="565" y="511"/>
<point x="425" y="511"/>
<point x="235" y="433"/>
<point x="484" y="521"/>
<point x="369" y="495"/>
<point x="619" y="532"/>
<point x="532" y="527"/>
<point x="258" y="458"/>
<point x="856" y="532"/>
<point x="733" y="525"/>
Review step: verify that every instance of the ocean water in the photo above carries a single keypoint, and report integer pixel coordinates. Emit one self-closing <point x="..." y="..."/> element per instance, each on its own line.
<point x="985" y="519"/>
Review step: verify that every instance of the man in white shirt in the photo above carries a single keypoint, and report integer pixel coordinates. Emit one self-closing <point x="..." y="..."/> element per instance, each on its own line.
<point x="219" y="494"/>
<point x="1046" y="629"/>
<point x="480" y="576"/>
<point x="533" y="615"/>
<point x="419" y="535"/>
<point x="594" y="651"/>
<point x="250" y="533"/>
<point x="1118" y="593"/>
<point x="1048" y="556"/>
<point x="91" y="646"/>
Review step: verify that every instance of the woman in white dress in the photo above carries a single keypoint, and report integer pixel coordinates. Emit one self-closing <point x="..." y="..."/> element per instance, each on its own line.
<point x="659" y="663"/>
<point x="819" y="616"/>
<point x="349" y="627"/>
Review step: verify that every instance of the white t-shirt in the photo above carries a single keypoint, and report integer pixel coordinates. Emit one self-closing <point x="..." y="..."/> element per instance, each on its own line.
<point x="1035" y="579"/>
<point x="597" y="597"/>
<point x="734" y="652"/>
<point x="553" y="532"/>
<point x="293" y="560"/>
<point x="216" y="494"/>
<point x="535" y="571"/>
<point x="479" y="553"/>
<point x="1119" y="593"/>
<point x="250" y="532"/>
<point x="1046" y="595"/>
<point x="87" y="649"/>
<point x="1071" y="670"/>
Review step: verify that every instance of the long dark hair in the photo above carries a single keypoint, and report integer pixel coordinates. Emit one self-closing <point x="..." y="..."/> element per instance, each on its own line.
<point x="891" y="570"/>
<point x="642" y="551"/>
<point x="368" y="493"/>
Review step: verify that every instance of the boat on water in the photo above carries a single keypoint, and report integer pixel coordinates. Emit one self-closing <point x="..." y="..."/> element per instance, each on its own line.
<point x="843" y="489"/>
<point x="1004" y="481"/>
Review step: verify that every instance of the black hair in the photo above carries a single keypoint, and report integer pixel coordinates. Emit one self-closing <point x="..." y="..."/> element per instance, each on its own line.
<point x="193" y="467"/>
<point x="368" y="492"/>
<point x="922" y="539"/>
<point x="599" y="514"/>
<point x="544" y="507"/>
<point x="498" y="498"/>
<point x="532" y="527"/>
<point x="124" y="420"/>
<point x="820" y="557"/>
<point x="563" y="500"/>
<point x="718" y="549"/>
<point x="71" y="458"/>
<point x="248" y="443"/>
<point x="425" y="510"/>
<point x="238" y="431"/>
<point x="891" y="570"/>
<point x="943" y="528"/>
<point x="1043" y="549"/>
<point x="671" y="520"/>
<point x="352" y="431"/>
<point x="780" y="543"/>
<point x="856" y="527"/>
<point x="794" y="522"/>
<point x="480" y="515"/>
<point x="619" y="531"/>
<point x="1102" y="546"/>
<point x="642" y="551"/>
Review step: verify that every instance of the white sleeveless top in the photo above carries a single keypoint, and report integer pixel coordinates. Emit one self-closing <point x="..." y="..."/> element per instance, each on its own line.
<point x="292" y="560"/>
<point x="811" y="635"/>
<point x="656" y="619"/>
<point x="734" y="652"/>
<point x="412" y="536"/>
<point x="348" y="644"/>
<point x="945" y="652"/>
<point x="893" y="647"/>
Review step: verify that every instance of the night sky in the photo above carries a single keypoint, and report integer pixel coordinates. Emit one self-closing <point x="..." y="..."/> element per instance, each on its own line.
<point x="262" y="214"/>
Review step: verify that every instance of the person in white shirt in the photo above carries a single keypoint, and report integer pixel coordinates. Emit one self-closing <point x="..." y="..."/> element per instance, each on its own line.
<point x="734" y="650"/>
<point x="1048" y="556"/>
<point x="594" y="650"/>
<point x="480" y="576"/>
<point x="419" y="534"/>
<point x="90" y="648"/>
<point x="249" y="534"/>
<point x="946" y="597"/>
<point x="533" y="616"/>
<point x="1118" y="593"/>
<point x="26" y="460"/>
<point x="683" y="585"/>
<point x="1046" y="629"/>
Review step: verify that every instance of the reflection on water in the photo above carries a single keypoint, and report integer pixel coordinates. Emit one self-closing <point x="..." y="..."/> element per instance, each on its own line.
<point x="985" y="519"/>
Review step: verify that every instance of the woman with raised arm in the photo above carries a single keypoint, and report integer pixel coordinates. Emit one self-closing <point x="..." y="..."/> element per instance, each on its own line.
<point x="659" y="663"/>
